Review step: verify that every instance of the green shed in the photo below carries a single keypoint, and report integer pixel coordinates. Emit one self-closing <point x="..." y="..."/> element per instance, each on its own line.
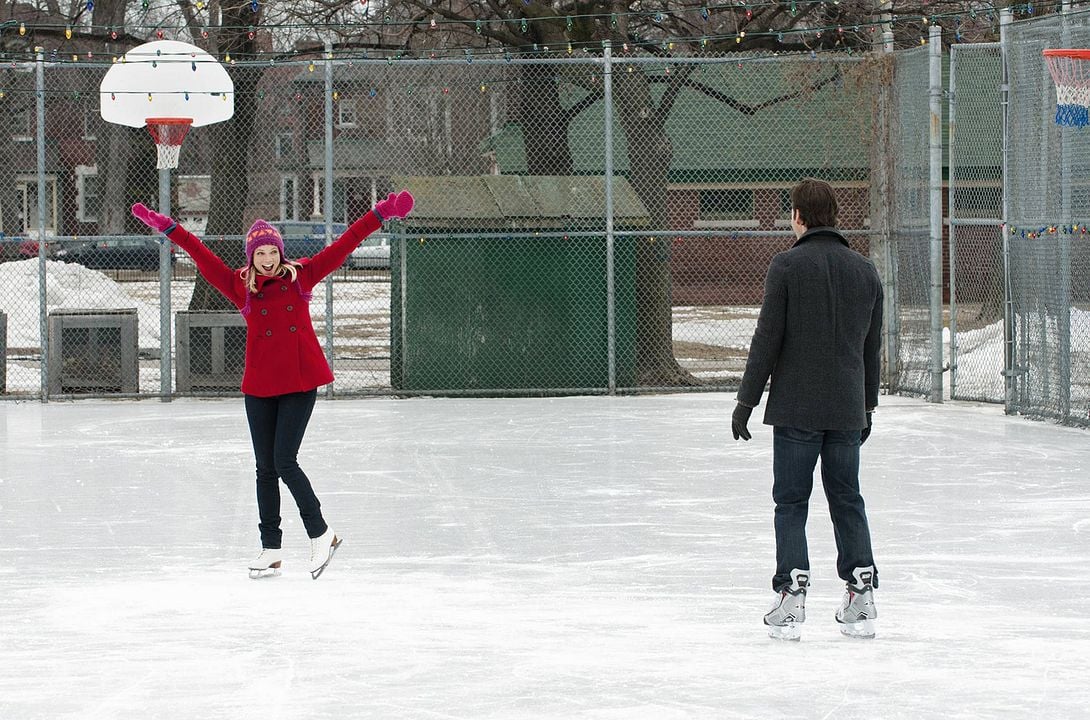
<point x="498" y="284"/>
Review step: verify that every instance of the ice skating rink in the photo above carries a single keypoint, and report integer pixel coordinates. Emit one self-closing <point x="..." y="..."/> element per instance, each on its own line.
<point x="586" y="557"/>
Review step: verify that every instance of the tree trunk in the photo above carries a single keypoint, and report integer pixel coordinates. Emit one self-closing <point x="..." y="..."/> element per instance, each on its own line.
<point x="543" y="119"/>
<point x="650" y="163"/>
<point x="116" y="188"/>
<point x="231" y="143"/>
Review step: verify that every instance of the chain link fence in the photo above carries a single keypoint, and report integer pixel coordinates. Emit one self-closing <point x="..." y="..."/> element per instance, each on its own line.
<point x="910" y="324"/>
<point x="583" y="223"/>
<point x="975" y="209"/>
<point x="1049" y="251"/>
<point x="589" y="224"/>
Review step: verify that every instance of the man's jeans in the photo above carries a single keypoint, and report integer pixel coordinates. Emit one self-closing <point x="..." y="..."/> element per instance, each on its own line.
<point x="794" y="455"/>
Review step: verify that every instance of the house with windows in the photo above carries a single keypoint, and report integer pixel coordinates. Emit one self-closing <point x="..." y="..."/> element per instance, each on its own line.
<point x="72" y="191"/>
<point x="386" y="120"/>
<point x="739" y="137"/>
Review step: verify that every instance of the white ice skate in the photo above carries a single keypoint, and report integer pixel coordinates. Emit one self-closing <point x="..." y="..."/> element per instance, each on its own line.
<point x="784" y="621"/>
<point x="321" y="551"/>
<point x="857" y="612"/>
<point x="267" y="563"/>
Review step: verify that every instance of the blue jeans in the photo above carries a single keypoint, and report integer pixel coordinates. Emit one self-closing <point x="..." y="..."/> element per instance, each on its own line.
<point x="277" y="426"/>
<point x="795" y="452"/>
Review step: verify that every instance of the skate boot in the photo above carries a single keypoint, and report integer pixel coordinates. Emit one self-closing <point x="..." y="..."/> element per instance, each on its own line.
<point x="267" y="564"/>
<point x="784" y="620"/>
<point x="857" y="612"/>
<point x="321" y="551"/>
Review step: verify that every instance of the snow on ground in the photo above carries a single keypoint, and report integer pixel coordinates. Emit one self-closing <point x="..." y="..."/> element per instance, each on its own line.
<point x="68" y="286"/>
<point x="530" y="558"/>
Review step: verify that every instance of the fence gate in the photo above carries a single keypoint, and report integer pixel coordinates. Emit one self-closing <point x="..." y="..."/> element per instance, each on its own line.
<point x="910" y="321"/>
<point x="1049" y="239"/>
<point x="975" y="211"/>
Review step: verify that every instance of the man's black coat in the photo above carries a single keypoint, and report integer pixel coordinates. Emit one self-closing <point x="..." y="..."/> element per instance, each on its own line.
<point x="818" y="336"/>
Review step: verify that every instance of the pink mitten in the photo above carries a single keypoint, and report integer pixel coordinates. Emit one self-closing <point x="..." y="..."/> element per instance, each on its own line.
<point x="395" y="205"/>
<point x="152" y="219"/>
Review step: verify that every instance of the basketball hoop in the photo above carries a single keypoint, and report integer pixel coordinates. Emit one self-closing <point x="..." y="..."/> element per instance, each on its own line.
<point x="1070" y="70"/>
<point x="168" y="134"/>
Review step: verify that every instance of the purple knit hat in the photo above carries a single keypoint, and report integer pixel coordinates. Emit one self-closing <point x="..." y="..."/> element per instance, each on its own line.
<point x="262" y="233"/>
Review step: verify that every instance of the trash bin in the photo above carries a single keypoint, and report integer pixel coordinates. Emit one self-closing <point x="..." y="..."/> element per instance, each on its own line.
<point x="519" y="301"/>
<point x="210" y="351"/>
<point x="93" y="351"/>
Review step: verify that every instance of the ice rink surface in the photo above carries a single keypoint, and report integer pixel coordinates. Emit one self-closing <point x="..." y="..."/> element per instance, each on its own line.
<point x="585" y="557"/>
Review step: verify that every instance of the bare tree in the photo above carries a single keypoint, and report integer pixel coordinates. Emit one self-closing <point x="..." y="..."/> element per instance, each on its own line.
<point x="230" y="141"/>
<point x="659" y="29"/>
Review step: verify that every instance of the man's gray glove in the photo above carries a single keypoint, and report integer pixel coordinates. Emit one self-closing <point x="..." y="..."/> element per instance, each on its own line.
<point x="738" y="420"/>
<point x="865" y="432"/>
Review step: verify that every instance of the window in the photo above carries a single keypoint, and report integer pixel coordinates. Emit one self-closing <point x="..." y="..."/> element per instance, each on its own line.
<point x="726" y="204"/>
<point x="289" y="198"/>
<point x="27" y="188"/>
<point x="88" y="196"/>
<point x="90" y="117"/>
<point x="729" y="207"/>
<point x="346" y="113"/>
<point x="318" y="209"/>
<point x="785" y="204"/>
<point x="784" y="217"/>
<point x="22" y="124"/>
<point x="409" y="117"/>
<point x="283" y="145"/>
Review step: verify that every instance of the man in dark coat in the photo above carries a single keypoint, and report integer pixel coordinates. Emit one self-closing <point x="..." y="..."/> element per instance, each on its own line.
<point x="818" y="337"/>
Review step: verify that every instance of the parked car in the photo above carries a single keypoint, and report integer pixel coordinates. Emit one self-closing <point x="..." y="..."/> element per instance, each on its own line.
<point x="373" y="252"/>
<point x="304" y="238"/>
<point x="20" y="248"/>
<point x="132" y="253"/>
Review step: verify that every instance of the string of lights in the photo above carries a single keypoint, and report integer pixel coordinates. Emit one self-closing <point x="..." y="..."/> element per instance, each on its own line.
<point x="523" y="23"/>
<point x="1078" y="229"/>
<point x="378" y="85"/>
<point x="706" y="12"/>
<point x="864" y="35"/>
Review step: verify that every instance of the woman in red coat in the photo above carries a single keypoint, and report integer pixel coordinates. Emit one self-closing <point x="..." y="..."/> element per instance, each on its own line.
<point x="285" y="364"/>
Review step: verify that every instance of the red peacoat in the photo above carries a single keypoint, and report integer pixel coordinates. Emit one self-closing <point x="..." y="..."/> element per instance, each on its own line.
<point x="282" y="352"/>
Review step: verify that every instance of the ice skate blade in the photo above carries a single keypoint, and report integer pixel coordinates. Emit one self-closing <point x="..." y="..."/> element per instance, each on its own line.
<point x="862" y="630"/>
<point x="791" y="632"/>
<point x="332" y="549"/>
<point x="262" y="574"/>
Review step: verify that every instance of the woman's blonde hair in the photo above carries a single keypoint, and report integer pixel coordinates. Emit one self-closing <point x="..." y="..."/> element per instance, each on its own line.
<point x="286" y="268"/>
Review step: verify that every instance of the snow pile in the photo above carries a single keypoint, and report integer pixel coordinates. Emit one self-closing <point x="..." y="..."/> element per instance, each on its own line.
<point x="68" y="286"/>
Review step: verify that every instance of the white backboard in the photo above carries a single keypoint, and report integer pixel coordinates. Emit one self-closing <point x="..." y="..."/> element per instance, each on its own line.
<point x="166" y="78"/>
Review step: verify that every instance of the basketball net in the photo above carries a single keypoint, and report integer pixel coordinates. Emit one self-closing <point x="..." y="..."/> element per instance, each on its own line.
<point x="168" y="134"/>
<point x="1070" y="70"/>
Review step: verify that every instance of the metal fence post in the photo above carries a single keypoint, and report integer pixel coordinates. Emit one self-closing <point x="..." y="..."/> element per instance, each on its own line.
<point x="881" y="211"/>
<point x="935" y="163"/>
<point x="951" y="229"/>
<point x="165" y="274"/>
<point x="1008" y="309"/>
<point x="39" y="81"/>
<point x="1063" y="307"/>
<point x="611" y="296"/>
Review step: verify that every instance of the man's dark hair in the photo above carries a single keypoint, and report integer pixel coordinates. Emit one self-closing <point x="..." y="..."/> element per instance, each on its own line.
<point x="816" y="203"/>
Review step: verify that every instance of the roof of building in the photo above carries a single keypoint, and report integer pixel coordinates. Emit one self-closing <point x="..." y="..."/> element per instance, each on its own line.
<point x="768" y="120"/>
<point x="543" y="201"/>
